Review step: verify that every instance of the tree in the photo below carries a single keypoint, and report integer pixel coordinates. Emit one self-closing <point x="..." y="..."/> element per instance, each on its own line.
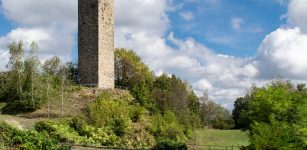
<point x="4" y="86"/>
<point x="15" y="66"/>
<point x="157" y="94"/>
<point x="132" y="73"/>
<point x="51" y="69"/>
<point x="52" y="66"/>
<point x="274" y="135"/>
<point x="279" y="99"/>
<point x="24" y="89"/>
<point x="31" y="86"/>
<point x="239" y="113"/>
<point x="174" y="94"/>
<point x="214" y="115"/>
<point x="277" y="113"/>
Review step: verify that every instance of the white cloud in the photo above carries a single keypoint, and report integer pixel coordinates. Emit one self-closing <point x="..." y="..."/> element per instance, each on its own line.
<point x="297" y="14"/>
<point x="42" y="12"/>
<point x="203" y="85"/>
<point x="52" y="24"/>
<point x="149" y="17"/>
<point x="187" y="16"/>
<point x="236" y="23"/>
<point x="285" y="51"/>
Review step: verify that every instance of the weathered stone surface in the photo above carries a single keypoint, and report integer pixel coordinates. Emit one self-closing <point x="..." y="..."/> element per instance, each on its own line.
<point x="96" y="43"/>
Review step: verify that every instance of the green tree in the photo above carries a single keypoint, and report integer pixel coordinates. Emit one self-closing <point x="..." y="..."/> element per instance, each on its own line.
<point x="4" y="87"/>
<point x="24" y="80"/>
<point x="239" y="113"/>
<point x="279" y="99"/>
<point x="51" y="70"/>
<point x="16" y="67"/>
<point x="274" y="135"/>
<point x="174" y="94"/>
<point x="277" y="116"/>
<point x="214" y="115"/>
<point x="32" y="87"/>
<point x="132" y="73"/>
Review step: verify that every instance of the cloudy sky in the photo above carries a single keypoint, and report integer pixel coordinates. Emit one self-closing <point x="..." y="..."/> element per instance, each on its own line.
<point x="220" y="45"/>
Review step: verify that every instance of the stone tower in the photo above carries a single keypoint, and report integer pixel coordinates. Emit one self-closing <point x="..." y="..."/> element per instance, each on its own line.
<point x="96" y="43"/>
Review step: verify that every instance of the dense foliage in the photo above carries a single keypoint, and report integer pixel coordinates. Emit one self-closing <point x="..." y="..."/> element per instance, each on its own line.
<point x="115" y="120"/>
<point x="214" y="115"/>
<point x="167" y="93"/>
<point x="275" y="116"/>
<point x="28" y="84"/>
<point x="157" y="94"/>
<point x="13" y="138"/>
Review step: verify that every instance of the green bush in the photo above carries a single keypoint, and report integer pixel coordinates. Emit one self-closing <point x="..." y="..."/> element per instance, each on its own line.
<point x="130" y="123"/>
<point x="276" y="135"/>
<point x="167" y="127"/>
<point x="11" y="138"/>
<point x="170" y="145"/>
<point x="62" y="132"/>
<point x="6" y="134"/>
<point x="136" y="112"/>
<point x="115" y="120"/>
<point x="117" y="112"/>
<point x="101" y="136"/>
<point x="78" y="133"/>
<point x="110" y="111"/>
<point x="3" y="87"/>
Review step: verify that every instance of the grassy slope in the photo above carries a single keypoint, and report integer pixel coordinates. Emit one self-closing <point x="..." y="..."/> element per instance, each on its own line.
<point x="221" y="137"/>
<point x="74" y="102"/>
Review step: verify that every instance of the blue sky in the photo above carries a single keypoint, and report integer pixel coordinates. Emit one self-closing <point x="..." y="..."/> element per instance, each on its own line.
<point x="223" y="46"/>
<point x="6" y="25"/>
<point x="211" y="24"/>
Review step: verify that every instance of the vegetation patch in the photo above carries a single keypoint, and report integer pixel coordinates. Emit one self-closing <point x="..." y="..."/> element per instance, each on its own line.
<point x="275" y="116"/>
<point x="221" y="137"/>
<point x="13" y="138"/>
<point x="154" y="111"/>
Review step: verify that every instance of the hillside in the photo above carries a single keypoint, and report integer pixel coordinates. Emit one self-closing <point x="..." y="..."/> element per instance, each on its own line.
<point x="74" y="103"/>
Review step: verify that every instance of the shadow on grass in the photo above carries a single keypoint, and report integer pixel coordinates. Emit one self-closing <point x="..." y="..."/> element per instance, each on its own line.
<point x="16" y="108"/>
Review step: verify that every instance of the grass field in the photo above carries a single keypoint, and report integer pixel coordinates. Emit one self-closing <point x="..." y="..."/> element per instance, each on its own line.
<point x="217" y="138"/>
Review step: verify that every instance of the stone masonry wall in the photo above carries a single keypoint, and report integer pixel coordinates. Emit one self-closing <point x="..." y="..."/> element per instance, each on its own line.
<point x="96" y="43"/>
<point x="106" y="44"/>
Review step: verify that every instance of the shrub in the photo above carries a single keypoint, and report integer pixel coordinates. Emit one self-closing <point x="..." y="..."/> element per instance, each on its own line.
<point x="11" y="137"/>
<point x="169" y="144"/>
<point x="61" y="131"/>
<point x="101" y="136"/>
<point x="111" y="111"/>
<point x="276" y="135"/>
<point x="79" y="133"/>
<point x="167" y="127"/>
<point x="6" y="133"/>
<point x="3" y="86"/>
<point x="136" y="112"/>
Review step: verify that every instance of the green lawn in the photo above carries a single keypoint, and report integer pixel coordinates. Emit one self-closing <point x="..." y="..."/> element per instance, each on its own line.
<point x="206" y="137"/>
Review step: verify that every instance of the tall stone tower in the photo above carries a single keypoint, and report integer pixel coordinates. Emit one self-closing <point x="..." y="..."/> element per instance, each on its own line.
<point x="96" y="43"/>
